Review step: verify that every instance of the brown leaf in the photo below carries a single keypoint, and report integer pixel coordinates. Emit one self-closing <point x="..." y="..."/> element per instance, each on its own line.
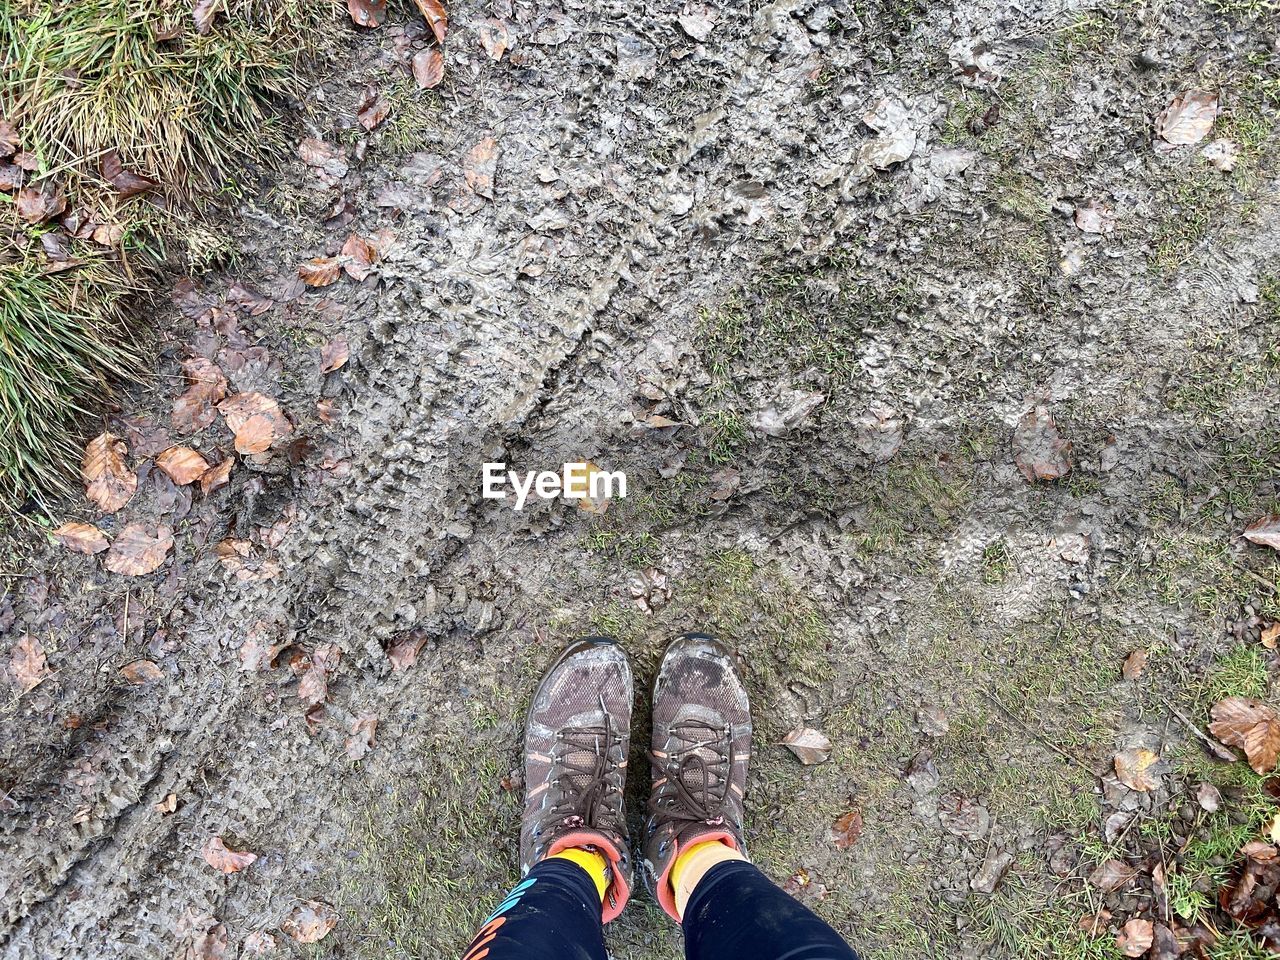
<point x="403" y="652"/>
<point x="207" y="385"/>
<point x="1271" y="635"/>
<point x="109" y="483"/>
<point x="81" y="537"/>
<point x="428" y="67"/>
<point x="847" y="829"/>
<point x="328" y="160"/>
<point x="1209" y="798"/>
<point x="1134" y="664"/>
<point x="258" y="944"/>
<point x="217" y="476"/>
<point x="436" y="16"/>
<point x="314" y="685"/>
<point x="1111" y="875"/>
<point x="334" y="354"/>
<point x="495" y="37"/>
<point x="358" y="257"/>
<point x="1038" y="449"/>
<point x="479" y="167"/>
<point x="1095" y="217"/>
<point x="126" y="182"/>
<point x="310" y="921"/>
<point x="373" y="111"/>
<point x="136" y="552"/>
<point x="320" y="271"/>
<point x="1250" y="725"/>
<point x="362" y="739"/>
<point x="182" y="465"/>
<point x="241" y="559"/>
<point x="27" y="664"/>
<point x="1134" y="939"/>
<point x="12" y="177"/>
<point x="219" y="856"/>
<point x="142" y="671"/>
<point x="1188" y="117"/>
<point x="200" y="937"/>
<point x="167" y="805"/>
<point x="327" y="411"/>
<point x="203" y="13"/>
<point x="810" y="746"/>
<point x="367" y="13"/>
<point x="40" y="202"/>
<point x="1264" y="532"/>
<point x="1134" y="769"/>
<point x="256" y="420"/>
<point x="8" y="138"/>
<point x="933" y="720"/>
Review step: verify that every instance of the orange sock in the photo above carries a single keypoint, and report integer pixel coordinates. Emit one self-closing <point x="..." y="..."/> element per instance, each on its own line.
<point x="692" y="863"/>
<point x="590" y="861"/>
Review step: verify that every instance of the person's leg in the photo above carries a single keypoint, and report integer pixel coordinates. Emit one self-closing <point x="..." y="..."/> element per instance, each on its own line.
<point x="695" y="860"/>
<point x="573" y="847"/>
<point x="552" y="914"/>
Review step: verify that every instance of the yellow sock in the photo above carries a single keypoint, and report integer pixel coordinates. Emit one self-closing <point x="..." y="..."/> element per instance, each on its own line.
<point x="590" y="861"/>
<point x="692" y="863"/>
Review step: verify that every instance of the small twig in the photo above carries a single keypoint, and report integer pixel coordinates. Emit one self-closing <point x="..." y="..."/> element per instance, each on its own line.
<point x="1263" y="581"/>
<point x="1042" y="740"/>
<point x="1217" y="749"/>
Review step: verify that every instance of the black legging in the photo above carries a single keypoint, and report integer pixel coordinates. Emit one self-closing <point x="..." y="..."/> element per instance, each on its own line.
<point x="735" y="913"/>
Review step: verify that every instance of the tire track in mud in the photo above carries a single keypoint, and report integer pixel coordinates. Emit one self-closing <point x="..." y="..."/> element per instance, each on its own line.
<point x="357" y="569"/>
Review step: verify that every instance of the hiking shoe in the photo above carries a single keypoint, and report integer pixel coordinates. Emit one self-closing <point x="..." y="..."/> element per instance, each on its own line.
<point x="701" y="745"/>
<point x="575" y="762"/>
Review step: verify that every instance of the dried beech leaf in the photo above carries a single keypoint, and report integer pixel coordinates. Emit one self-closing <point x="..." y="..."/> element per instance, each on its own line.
<point x="136" y="552"/>
<point x="82" y="537"/>
<point x="1264" y="532"/>
<point x="847" y="829"/>
<point x="142" y="671"/>
<point x="428" y="67"/>
<point x="367" y="13"/>
<point x="1111" y="875"/>
<point x="436" y="16"/>
<point x="1135" y="937"/>
<point x="27" y="664"/>
<point x="479" y="166"/>
<point x="334" y="354"/>
<point x="310" y="922"/>
<point x="358" y="257"/>
<point x="126" y="182"/>
<point x="1250" y="725"/>
<point x="109" y="483"/>
<point x="217" y="476"/>
<point x="219" y="856"/>
<point x="256" y="420"/>
<point x="206" y="386"/>
<point x="182" y="465"/>
<point x="1038" y="448"/>
<point x="403" y="652"/>
<point x="809" y="745"/>
<point x="362" y="739"/>
<point x="1134" y="664"/>
<point x="320" y="271"/>
<point x="495" y="37"/>
<point x="1188" y="118"/>
<point x="1134" y="769"/>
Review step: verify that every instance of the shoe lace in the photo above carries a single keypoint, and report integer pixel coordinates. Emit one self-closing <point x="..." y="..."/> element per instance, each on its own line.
<point x="584" y="773"/>
<point x="695" y="790"/>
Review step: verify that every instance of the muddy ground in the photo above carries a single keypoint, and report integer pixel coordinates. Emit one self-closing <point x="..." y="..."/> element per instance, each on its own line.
<point x="683" y="228"/>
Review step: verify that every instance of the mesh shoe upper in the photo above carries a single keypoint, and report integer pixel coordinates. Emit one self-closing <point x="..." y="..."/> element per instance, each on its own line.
<point x="576" y="741"/>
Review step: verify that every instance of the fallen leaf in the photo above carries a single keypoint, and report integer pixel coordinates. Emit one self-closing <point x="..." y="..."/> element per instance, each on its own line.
<point x="480" y="165"/>
<point x="847" y="829"/>
<point x="879" y="433"/>
<point x="697" y="19"/>
<point x="109" y="483"/>
<point x="182" y="465"/>
<point x="221" y="857"/>
<point x="203" y="13"/>
<point x="1038" y="449"/>
<point x="40" y="202"/>
<point x="723" y="483"/>
<point x="1270" y="635"/>
<point x="367" y="13"/>
<point x="358" y="257"/>
<point x="27" y="664"/>
<point x="320" y="271"/>
<point x="334" y="354"/>
<point x="428" y="67"/>
<point x="11" y="177"/>
<point x="314" y="685"/>
<point x="258" y="944"/>
<point x="200" y="937"/>
<point x="327" y="411"/>
<point x="142" y="671"/>
<point x="8" y="138"/>
<point x="1188" y="117"/>
<point x="315" y="717"/>
<point x="241" y="559"/>
<point x="896" y="140"/>
<point x="1134" y="938"/>
<point x="1095" y="217"/>
<point x="256" y="420"/>
<point x="810" y="746"/>
<point x="1094" y="922"/>
<point x="373" y="111"/>
<point x="217" y="476"/>
<point x="964" y="818"/>
<point x="1134" y="664"/>
<point x="328" y="160"/>
<point x="1209" y="798"/>
<point x="589" y="504"/>
<point x="1264" y="532"/>
<point x="792" y="408"/>
<point x="1250" y="725"/>
<point x="126" y="182"/>
<point x="403" y="652"/>
<point x="657" y="421"/>
<point x="1111" y="875"/>
<point x="81" y="537"/>
<point x="206" y="386"/>
<point x="495" y="37"/>
<point x="436" y="16"/>
<point x="1134" y="769"/>
<point x="136" y="552"/>
<point x="167" y="805"/>
<point x="933" y="720"/>
<point x="311" y="921"/>
<point x="994" y="866"/>
<point x="362" y="739"/>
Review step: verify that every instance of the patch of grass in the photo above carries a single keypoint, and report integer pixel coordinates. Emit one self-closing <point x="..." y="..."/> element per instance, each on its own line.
<point x="997" y="562"/>
<point x="1241" y="673"/>
<point x="91" y="76"/>
<point x="414" y="117"/>
<point x="1023" y="922"/>
<point x="61" y="343"/>
<point x="725" y="434"/>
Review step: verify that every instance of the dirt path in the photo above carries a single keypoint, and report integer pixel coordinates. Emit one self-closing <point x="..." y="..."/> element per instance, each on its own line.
<point x="684" y="229"/>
